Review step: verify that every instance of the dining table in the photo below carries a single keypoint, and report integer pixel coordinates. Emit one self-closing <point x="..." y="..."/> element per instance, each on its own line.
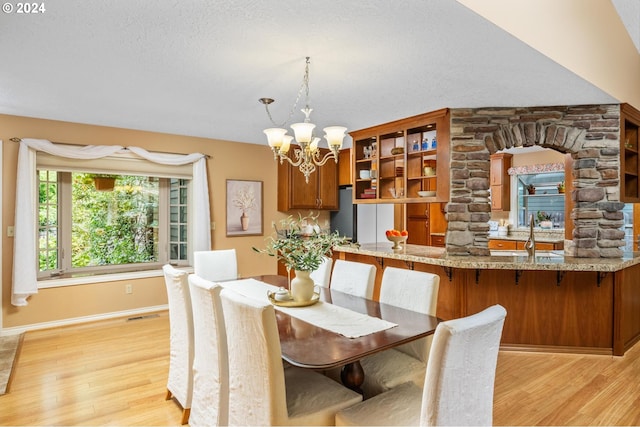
<point x="339" y="330"/>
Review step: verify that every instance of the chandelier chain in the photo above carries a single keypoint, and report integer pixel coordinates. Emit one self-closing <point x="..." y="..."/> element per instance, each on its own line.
<point x="303" y="87"/>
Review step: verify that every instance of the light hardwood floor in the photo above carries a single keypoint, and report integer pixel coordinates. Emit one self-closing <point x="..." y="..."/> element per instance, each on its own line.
<point x="114" y="373"/>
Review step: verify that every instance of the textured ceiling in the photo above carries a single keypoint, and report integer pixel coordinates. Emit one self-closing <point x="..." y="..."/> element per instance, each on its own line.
<point x="198" y="67"/>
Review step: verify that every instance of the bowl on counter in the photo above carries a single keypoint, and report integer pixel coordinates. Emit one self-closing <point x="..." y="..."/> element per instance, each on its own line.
<point x="397" y="240"/>
<point x="426" y="193"/>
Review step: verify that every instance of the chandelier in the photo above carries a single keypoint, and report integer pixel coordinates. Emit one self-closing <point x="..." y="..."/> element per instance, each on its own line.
<point x="306" y="154"/>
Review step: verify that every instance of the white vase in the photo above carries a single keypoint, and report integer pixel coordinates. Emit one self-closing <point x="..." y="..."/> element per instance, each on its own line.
<point x="302" y="286"/>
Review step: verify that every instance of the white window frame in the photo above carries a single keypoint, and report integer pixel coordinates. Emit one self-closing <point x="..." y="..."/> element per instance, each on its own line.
<point x="122" y="164"/>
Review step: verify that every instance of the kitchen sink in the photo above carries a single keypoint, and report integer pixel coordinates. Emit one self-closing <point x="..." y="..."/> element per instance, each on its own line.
<point x="550" y="254"/>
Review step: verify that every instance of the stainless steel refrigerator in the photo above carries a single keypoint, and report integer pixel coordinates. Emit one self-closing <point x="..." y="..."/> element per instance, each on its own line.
<point x="364" y="223"/>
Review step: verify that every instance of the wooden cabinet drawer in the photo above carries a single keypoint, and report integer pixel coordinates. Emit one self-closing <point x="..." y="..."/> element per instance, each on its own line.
<point x="539" y="246"/>
<point x="502" y="244"/>
<point x="437" y="240"/>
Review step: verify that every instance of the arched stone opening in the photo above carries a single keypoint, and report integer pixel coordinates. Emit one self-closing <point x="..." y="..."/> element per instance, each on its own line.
<point x="590" y="133"/>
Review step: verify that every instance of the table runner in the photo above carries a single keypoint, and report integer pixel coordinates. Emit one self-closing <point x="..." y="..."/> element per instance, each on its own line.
<point x="324" y="315"/>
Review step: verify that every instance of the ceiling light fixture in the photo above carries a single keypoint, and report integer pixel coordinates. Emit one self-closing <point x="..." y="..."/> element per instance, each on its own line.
<point x="308" y="155"/>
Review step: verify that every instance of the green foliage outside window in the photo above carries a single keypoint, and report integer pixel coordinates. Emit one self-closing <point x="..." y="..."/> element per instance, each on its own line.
<point x="114" y="227"/>
<point x="107" y="227"/>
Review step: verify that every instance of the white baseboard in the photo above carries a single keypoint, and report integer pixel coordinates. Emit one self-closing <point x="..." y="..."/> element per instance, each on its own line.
<point x="75" y="320"/>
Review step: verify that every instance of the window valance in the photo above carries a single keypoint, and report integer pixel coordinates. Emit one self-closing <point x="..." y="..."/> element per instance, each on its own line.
<point x="24" y="281"/>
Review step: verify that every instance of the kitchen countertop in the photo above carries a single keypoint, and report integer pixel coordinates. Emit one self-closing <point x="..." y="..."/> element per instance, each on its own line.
<point x="545" y="260"/>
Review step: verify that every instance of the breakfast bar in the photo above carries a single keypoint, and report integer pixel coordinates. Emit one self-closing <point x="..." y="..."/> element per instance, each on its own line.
<point x="554" y="302"/>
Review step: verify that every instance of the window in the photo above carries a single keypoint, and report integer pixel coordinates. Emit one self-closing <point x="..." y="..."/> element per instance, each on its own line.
<point x="141" y="223"/>
<point x="538" y="194"/>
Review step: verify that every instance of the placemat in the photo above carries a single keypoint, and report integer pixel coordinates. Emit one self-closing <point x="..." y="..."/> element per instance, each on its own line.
<point x="327" y="316"/>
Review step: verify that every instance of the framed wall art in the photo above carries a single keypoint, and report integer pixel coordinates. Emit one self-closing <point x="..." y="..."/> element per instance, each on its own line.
<point x="244" y="208"/>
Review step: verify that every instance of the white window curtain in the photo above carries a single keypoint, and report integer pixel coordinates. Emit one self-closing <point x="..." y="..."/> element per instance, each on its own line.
<point x="24" y="282"/>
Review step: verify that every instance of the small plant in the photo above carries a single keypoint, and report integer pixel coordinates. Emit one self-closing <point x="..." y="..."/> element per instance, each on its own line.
<point x="561" y="187"/>
<point x="300" y="244"/>
<point x="531" y="189"/>
<point x="103" y="182"/>
<point x="542" y="216"/>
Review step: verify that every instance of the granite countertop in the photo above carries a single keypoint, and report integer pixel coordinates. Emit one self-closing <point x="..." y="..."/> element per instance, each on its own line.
<point x="545" y="260"/>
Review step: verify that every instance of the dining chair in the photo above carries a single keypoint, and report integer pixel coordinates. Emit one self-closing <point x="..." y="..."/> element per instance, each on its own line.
<point x="355" y="278"/>
<point x="261" y="391"/>
<point x="216" y="265"/>
<point x="322" y="275"/>
<point x="180" y="380"/>
<point x="459" y="382"/>
<point x="411" y="290"/>
<point x="210" y="399"/>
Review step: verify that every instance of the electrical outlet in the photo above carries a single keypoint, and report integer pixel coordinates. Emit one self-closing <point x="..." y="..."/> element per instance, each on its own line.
<point x="10" y="231"/>
<point x="128" y="288"/>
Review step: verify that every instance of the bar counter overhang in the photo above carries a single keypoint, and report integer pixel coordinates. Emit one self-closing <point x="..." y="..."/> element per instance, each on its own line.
<point x="554" y="303"/>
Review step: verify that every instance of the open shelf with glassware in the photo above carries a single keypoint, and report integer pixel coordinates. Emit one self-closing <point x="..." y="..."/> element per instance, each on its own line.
<point x="391" y="166"/>
<point x="397" y="162"/>
<point x="365" y="168"/>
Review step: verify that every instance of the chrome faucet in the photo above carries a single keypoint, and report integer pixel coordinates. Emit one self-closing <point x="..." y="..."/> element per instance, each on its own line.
<point x="530" y="244"/>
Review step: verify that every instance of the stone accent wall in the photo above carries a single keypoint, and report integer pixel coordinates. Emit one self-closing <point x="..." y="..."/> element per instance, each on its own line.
<point x="591" y="133"/>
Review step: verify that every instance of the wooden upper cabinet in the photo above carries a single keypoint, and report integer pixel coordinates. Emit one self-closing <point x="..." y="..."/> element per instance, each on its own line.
<point x="320" y="193"/>
<point x="404" y="161"/>
<point x="344" y="167"/>
<point x="500" y="182"/>
<point x="629" y="154"/>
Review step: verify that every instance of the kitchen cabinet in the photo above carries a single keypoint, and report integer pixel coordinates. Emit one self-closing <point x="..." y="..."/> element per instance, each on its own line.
<point x="541" y="246"/>
<point x="320" y="193"/>
<point x="344" y="168"/>
<point x="418" y="224"/>
<point x="500" y="244"/>
<point x="394" y="161"/>
<point x="500" y="182"/>
<point x="508" y="244"/>
<point x="423" y="219"/>
<point x="438" y="240"/>
<point x="629" y="154"/>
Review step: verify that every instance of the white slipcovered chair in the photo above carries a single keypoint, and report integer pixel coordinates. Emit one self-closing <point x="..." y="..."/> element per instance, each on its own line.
<point x="354" y="278"/>
<point x="180" y="380"/>
<point x="217" y="265"/>
<point x="210" y="401"/>
<point x="322" y="275"/>
<point x="261" y="391"/>
<point x="411" y="290"/>
<point x="459" y="382"/>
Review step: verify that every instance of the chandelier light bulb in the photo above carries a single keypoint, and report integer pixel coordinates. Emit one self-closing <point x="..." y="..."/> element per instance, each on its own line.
<point x="314" y="145"/>
<point x="275" y="136"/>
<point x="303" y="131"/>
<point x="334" y="135"/>
<point x="286" y="143"/>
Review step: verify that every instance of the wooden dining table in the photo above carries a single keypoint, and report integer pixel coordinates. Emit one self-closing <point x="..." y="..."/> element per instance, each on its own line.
<point x="309" y="346"/>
